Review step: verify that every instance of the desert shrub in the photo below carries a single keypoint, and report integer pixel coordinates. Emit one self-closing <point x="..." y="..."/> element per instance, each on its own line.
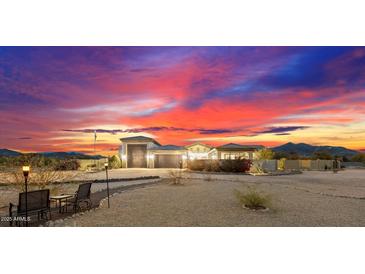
<point x="197" y="165"/>
<point x="236" y="165"/>
<point x="252" y="199"/>
<point x="32" y="159"/>
<point x="39" y="178"/>
<point x="212" y="166"/>
<point x="115" y="162"/>
<point x="176" y="177"/>
<point x="257" y="167"/>
<point x="70" y="164"/>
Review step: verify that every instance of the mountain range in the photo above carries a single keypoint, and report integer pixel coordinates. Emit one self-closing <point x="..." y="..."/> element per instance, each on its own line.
<point x="303" y="149"/>
<point x="59" y="155"/>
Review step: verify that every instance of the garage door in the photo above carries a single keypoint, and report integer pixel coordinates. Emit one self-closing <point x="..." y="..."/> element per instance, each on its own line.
<point x="137" y="156"/>
<point x="168" y="161"/>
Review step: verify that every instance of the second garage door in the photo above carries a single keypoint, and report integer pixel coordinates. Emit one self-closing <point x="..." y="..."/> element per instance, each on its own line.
<point x="168" y="161"/>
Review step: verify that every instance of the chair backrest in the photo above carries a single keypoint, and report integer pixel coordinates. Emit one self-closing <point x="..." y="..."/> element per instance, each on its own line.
<point x="84" y="191"/>
<point x="38" y="199"/>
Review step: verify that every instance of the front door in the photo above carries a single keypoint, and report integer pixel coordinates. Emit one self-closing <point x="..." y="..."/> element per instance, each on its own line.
<point x="137" y="156"/>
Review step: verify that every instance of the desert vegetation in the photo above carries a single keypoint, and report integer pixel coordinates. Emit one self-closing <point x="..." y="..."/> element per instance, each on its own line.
<point x="39" y="178"/>
<point x="176" y="177"/>
<point x="115" y="162"/>
<point x="236" y="165"/>
<point x="37" y="161"/>
<point x="360" y="157"/>
<point x="265" y="154"/>
<point x="252" y="199"/>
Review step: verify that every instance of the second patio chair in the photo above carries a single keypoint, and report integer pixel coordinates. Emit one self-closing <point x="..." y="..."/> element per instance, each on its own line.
<point x="81" y="197"/>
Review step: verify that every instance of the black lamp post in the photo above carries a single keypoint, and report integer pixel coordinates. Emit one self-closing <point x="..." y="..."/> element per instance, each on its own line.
<point x="26" y="170"/>
<point x="107" y="182"/>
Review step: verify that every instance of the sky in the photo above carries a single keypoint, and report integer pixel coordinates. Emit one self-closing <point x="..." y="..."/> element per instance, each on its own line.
<point x="53" y="98"/>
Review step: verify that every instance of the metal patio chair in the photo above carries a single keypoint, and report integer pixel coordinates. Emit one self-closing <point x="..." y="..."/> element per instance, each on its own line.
<point x="81" y="196"/>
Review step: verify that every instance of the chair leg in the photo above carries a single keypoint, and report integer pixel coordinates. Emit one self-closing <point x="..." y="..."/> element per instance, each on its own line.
<point x="11" y="214"/>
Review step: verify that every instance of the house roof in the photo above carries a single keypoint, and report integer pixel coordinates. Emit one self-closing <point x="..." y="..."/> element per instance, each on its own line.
<point x="200" y="144"/>
<point x="168" y="147"/>
<point x="232" y="146"/>
<point x="139" y="139"/>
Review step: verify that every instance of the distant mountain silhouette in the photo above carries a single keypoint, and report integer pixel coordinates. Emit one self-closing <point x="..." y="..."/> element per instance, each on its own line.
<point x="308" y="150"/>
<point x="8" y="152"/>
<point x="59" y="155"/>
<point x="71" y="154"/>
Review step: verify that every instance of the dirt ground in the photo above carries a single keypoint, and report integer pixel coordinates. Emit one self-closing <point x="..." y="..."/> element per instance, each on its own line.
<point x="308" y="199"/>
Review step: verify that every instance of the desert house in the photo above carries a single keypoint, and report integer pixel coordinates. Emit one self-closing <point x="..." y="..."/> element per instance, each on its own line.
<point x="145" y="152"/>
<point x="198" y="151"/>
<point x="234" y="151"/>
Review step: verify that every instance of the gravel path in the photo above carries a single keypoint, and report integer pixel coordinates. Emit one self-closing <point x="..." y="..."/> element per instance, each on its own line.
<point x="308" y="199"/>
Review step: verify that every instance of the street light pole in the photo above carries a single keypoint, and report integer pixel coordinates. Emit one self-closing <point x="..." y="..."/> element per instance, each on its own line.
<point x="26" y="170"/>
<point x="107" y="182"/>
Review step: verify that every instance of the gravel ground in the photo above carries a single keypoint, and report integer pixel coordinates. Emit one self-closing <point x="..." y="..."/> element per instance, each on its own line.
<point x="308" y="199"/>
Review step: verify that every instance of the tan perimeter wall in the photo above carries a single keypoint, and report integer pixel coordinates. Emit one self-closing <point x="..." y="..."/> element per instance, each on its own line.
<point x="308" y="164"/>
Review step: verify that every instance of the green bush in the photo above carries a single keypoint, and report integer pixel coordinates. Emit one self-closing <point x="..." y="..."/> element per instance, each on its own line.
<point x="252" y="199"/>
<point x="212" y="166"/>
<point x="236" y="165"/>
<point x="115" y="162"/>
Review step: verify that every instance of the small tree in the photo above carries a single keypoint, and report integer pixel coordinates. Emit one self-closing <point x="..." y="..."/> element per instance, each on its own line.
<point x="322" y="155"/>
<point x="281" y="155"/>
<point x="265" y="154"/>
<point x="115" y="162"/>
<point x="360" y="157"/>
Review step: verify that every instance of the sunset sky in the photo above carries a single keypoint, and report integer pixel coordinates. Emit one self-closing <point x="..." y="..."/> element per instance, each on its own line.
<point x="53" y="98"/>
